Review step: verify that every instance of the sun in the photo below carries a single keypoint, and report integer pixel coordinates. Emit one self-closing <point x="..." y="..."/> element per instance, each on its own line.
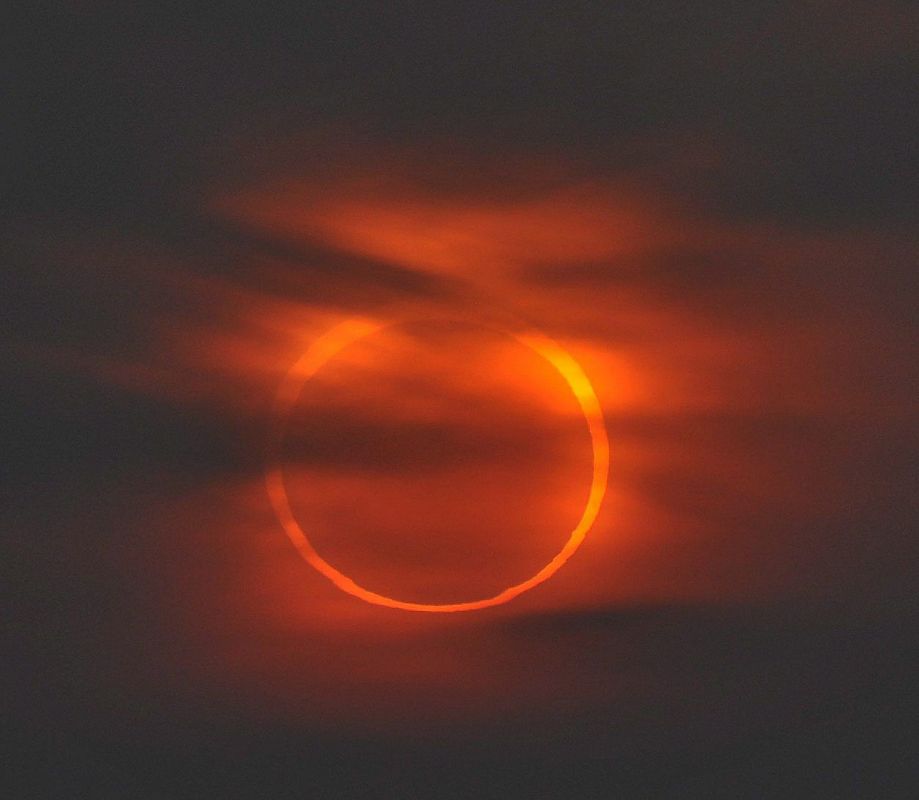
<point x="332" y="342"/>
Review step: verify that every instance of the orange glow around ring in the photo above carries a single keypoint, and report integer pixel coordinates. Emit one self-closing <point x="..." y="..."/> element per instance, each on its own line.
<point x="335" y="340"/>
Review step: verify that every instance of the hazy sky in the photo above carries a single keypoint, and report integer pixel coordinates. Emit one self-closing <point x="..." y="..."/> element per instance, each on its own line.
<point x="712" y="207"/>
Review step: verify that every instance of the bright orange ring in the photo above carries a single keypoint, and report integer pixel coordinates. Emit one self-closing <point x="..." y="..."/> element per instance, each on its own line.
<point x="339" y="337"/>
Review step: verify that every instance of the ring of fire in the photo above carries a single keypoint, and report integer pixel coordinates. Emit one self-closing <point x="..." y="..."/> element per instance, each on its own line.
<point x="339" y="337"/>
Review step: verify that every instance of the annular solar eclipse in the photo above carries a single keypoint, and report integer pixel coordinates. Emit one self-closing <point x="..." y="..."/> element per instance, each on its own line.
<point x="332" y="342"/>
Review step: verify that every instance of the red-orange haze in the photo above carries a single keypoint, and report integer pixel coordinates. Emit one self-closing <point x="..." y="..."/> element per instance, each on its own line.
<point x="440" y="461"/>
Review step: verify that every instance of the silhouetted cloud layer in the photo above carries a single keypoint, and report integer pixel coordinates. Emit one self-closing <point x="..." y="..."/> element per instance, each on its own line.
<point x="711" y="207"/>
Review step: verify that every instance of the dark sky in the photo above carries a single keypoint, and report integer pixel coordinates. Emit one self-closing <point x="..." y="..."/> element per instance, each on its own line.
<point x="712" y="206"/>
